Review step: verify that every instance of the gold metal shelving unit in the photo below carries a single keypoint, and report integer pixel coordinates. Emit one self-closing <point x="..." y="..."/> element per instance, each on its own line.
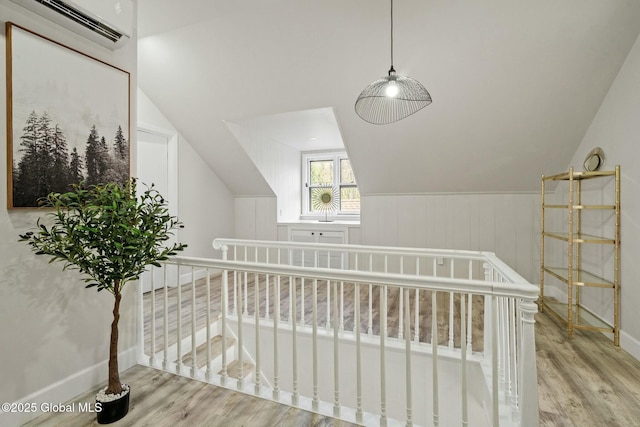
<point x="572" y="312"/>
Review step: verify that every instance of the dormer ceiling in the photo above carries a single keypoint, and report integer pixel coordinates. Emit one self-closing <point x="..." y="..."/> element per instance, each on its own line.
<point x="515" y="85"/>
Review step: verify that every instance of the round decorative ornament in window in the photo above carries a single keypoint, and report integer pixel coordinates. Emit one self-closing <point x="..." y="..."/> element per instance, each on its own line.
<point x="324" y="199"/>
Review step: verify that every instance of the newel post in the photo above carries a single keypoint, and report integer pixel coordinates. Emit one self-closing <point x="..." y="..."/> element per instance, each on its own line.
<point x="528" y="369"/>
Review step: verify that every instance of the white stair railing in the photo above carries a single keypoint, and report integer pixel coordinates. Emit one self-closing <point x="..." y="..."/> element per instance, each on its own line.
<point x="342" y="381"/>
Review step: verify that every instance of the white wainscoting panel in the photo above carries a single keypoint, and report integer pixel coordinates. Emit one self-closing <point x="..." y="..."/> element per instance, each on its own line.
<point x="507" y="224"/>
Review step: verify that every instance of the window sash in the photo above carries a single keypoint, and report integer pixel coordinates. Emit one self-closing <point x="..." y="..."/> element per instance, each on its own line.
<point x="337" y="158"/>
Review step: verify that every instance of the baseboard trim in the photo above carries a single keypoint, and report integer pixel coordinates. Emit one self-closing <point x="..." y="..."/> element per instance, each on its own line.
<point x="67" y="388"/>
<point x="630" y="344"/>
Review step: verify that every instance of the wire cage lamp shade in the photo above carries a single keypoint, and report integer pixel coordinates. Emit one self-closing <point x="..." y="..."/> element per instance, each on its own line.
<point x="393" y="97"/>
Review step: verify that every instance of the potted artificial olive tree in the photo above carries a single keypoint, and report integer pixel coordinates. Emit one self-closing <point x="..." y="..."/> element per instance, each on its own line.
<point x="110" y="235"/>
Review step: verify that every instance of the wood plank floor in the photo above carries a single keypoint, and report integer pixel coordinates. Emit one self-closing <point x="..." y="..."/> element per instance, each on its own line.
<point x="584" y="381"/>
<point x="160" y="399"/>
<point x="393" y="304"/>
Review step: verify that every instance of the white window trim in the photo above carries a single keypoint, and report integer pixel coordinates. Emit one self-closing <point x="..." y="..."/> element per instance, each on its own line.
<point x="307" y="158"/>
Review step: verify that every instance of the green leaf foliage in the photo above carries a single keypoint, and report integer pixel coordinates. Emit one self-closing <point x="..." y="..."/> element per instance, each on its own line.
<point x="107" y="232"/>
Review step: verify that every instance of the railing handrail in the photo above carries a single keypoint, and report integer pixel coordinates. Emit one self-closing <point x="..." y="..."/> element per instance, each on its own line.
<point x="479" y="287"/>
<point x="501" y="267"/>
<point x="487" y="256"/>
<point x="350" y="248"/>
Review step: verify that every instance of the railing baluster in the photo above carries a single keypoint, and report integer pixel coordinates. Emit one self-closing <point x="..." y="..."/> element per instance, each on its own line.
<point x="341" y="306"/>
<point x="152" y="352"/>
<point x="336" y="353"/>
<point x="241" y="289"/>
<point x="370" y="324"/>
<point x="434" y="350"/>
<point x="256" y="314"/>
<point x="356" y="318"/>
<point x="314" y="325"/>
<point x="508" y="351"/>
<point x="518" y="362"/>
<point x="294" y="365"/>
<point x="470" y="313"/>
<point x="194" y="363"/>
<point x="208" y="319"/>
<point x="165" y="362"/>
<point x="469" y="324"/>
<point x="266" y="291"/>
<point x="502" y="350"/>
<point x="302" y="302"/>
<point x="463" y="361"/>
<point x="359" y="414"/>
<point x="256" y="294"/>
<point x="235" y="282"/>
<point x="328" y="308"/>
<point x="451" y="308"/>
<point x="179" y="324"/>
<point x="416" y="326"/>
<point x="256" y="305"/>
<point x="342" y="296"/>
<point x="494" y="363"/>
<point x="401" y="304"/>
<point x="409" y="398"/>
<point x="276" y="321"/>
<point x="514" y="352"/>
<point x="246" y="293"/>
<point x="291" y="306"/>
<point x="224" y="304"/>
<point x="383" y="367"/>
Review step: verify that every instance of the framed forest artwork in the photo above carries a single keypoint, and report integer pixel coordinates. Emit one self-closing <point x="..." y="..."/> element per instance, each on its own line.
<point x="67" y="118"/>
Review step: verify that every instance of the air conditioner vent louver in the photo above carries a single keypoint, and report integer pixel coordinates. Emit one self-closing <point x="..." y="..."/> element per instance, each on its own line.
<point x="82" y="19"/>
<point x="106" y="22"/>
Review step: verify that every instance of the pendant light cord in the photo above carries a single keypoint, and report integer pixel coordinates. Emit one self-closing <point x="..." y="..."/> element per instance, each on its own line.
<point x="391" y="70"/>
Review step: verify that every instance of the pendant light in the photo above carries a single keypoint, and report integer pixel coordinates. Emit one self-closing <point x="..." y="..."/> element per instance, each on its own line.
<point x="391" y="98"/>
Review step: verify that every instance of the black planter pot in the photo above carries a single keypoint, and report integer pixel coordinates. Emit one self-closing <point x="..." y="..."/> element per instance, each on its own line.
<point x="114" y="410"/>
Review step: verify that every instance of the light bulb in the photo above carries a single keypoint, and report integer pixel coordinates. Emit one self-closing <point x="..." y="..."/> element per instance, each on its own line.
<point x="391" y="90"/>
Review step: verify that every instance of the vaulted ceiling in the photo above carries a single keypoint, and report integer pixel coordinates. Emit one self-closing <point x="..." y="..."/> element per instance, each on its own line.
<point x="515" y="85"/>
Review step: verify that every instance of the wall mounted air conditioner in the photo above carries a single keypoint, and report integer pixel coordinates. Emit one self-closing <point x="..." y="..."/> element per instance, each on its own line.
<point x="106" y="22"/>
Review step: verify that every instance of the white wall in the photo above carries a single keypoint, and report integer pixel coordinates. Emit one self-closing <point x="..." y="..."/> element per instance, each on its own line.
<point x="279" y="164"/>
<point x="255" y="218"/>
<point x="616" y="128"/>
<point x="395" y="361"/>
<point x="54" y="333"/>
<point x="205" y="204"/>
<point x="507" y="224"/>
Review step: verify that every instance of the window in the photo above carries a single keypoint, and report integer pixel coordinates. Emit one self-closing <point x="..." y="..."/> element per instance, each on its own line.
<point x="329" y="173"/>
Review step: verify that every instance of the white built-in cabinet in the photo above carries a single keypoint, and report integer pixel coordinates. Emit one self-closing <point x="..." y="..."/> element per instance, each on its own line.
<point x="318" y="233"/>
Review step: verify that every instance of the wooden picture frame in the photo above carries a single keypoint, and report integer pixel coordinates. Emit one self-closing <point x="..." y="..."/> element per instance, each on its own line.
<point x="68" y="118"/>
